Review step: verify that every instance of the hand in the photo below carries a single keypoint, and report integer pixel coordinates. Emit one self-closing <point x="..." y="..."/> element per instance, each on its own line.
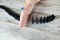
<point x="27" y="9"/>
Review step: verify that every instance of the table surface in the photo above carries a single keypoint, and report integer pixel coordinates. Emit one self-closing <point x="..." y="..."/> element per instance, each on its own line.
<point x="9" y="29"/>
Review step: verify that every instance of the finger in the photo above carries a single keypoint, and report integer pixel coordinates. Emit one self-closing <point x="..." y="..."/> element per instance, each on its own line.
<point x="23" y="21"/>
<point x="28" y="6"/>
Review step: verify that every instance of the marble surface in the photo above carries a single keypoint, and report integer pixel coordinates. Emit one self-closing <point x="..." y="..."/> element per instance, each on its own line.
<point x="9" y="28"/>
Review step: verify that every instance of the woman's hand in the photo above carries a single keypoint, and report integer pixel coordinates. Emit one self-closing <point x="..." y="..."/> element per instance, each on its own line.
<point x="27" y="9"/>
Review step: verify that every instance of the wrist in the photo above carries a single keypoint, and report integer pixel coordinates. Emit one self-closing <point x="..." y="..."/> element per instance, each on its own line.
<point x="35" y="1"/>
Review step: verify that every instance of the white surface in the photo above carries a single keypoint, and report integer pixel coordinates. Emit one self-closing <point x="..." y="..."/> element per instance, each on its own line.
<point x="9" y="29"/>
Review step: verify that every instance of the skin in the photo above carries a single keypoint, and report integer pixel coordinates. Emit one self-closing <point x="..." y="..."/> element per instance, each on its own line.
<point x="28" y="7"/>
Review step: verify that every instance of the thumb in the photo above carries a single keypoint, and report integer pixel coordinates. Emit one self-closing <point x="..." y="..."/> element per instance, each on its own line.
<point x="23" y="20"/>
